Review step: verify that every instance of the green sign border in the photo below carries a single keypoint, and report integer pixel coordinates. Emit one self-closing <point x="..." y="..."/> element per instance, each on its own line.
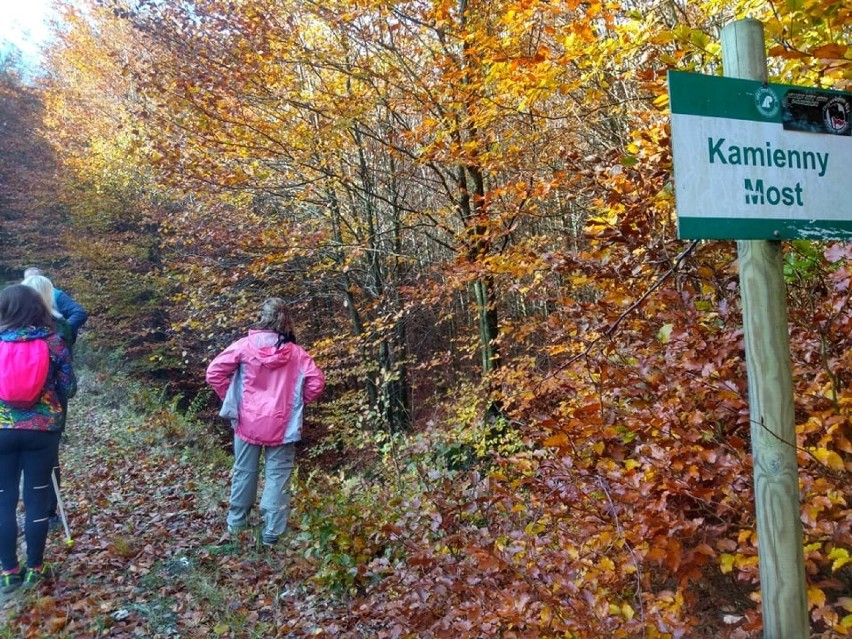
<point x="723" y="228"/>
<point x="720" y="97"/>
<point x="696" y="94"/>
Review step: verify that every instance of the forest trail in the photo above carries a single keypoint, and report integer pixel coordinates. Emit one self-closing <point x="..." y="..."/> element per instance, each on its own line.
<point x="149" y="558"/>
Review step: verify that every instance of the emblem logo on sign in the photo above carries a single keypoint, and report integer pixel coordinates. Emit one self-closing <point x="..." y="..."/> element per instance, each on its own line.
<point x="767" y="102"/>
<point x="835" y="115"/>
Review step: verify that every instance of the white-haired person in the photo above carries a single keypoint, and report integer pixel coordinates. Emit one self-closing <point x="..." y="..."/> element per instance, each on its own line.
<point x="44" y="287"/>
<point x="47" y="291"/>
<point x="67" y="306"/>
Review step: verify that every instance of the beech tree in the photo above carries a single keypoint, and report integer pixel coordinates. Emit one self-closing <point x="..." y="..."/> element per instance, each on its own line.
<point x="482" y="194"/>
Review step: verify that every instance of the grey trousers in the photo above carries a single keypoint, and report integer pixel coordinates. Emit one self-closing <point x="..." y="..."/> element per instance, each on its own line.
<point x="275" y="501"/>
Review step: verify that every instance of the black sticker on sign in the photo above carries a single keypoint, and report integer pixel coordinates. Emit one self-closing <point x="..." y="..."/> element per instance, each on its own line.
<point x="817" y="112"/>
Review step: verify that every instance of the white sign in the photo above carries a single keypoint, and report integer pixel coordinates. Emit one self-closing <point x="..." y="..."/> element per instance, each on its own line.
<point x="752" y="163"/>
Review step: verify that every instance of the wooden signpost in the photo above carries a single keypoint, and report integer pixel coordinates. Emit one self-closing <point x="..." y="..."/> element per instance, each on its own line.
<point x="770" y="393"/>
<point x="759" y="163"/>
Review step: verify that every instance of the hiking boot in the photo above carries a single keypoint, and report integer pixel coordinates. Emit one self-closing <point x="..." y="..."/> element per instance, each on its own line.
<point x="269" y="541"/>
<point x="236" y="530"/>
<point x="10" y="582"/>
<point x="35" y="576"/>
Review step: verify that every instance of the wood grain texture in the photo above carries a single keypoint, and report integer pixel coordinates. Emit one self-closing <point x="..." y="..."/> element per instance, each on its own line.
<point x="770" y="388"/>
<point x="773" y="435"/>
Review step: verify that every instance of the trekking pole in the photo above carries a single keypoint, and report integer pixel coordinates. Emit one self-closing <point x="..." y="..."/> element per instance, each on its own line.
<point x="68" y="541"/>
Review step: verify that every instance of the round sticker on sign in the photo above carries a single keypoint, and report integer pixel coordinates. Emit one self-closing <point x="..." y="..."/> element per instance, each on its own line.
<point x="767" y="102"/>
<point x="835" y="115"/>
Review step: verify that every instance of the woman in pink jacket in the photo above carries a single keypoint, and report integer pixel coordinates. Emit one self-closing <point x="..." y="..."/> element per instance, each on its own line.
<point x="268" y="379"/>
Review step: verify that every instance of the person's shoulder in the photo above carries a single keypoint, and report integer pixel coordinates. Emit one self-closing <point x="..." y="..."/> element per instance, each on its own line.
<point x="303" y="353"/>
<point x="238" y="343"/>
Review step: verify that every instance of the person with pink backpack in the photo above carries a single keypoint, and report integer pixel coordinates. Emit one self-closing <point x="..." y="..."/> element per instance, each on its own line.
<point x="36" y="378"/>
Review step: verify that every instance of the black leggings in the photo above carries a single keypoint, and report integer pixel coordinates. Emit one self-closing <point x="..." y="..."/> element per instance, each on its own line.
<point x="32" y="453"/>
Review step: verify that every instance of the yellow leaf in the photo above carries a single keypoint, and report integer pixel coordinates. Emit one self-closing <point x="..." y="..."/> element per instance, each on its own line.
<point x="627" y="611"/>
<point x="630" y="464"/>
<point x="816" y="597"/>
<point x="560" y="439"/>
<point x="829" y="458"/>
<point x="841" y="558"/>
<point x="726" y="561"/>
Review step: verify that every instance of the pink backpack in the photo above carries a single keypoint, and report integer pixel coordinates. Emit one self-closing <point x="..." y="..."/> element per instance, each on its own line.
<point x="23" y="372"/>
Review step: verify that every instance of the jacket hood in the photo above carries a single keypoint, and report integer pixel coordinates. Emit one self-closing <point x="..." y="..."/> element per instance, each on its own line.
<point x="262" y="345"/>
<point x="25" y="334"/>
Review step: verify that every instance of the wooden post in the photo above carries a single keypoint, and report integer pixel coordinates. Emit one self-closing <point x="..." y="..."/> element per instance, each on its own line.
<point x="770" y="394"/>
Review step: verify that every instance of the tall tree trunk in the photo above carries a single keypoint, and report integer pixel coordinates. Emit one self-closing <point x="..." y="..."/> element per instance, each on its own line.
<point x="474" y="214"/>
<point x="401" y="396"/>
<point x="392" y="405"/>
<point x="349" y="299"/>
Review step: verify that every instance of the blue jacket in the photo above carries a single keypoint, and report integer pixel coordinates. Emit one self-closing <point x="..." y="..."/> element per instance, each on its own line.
<point x="73" y="313"/>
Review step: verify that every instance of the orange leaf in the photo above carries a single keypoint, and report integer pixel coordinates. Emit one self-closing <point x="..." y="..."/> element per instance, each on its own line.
<point x="831" y="51"/>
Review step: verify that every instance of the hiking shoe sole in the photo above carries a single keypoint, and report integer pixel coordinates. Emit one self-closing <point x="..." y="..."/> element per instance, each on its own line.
<point x="34" y="577"/>
<point x="10" y="583"/>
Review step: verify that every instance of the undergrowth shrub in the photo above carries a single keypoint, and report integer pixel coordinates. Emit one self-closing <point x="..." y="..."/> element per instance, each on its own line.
<point x="342" y="523"/>
<point x="155" y="415"/>
<point x="467" y="438"/>
<point x="346" y="431"/>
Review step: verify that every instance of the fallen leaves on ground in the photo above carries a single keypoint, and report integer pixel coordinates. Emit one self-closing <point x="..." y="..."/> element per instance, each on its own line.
<point x="149" y="558"/>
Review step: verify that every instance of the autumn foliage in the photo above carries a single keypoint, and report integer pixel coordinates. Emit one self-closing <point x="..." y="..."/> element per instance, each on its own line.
<point x="537" y="423"/>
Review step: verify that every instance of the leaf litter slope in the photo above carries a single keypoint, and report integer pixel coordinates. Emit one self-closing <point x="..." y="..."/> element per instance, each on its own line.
<point x="146" y="514"/>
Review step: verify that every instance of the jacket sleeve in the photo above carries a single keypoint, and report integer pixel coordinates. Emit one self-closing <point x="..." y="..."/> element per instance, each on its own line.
<point x="73" y="313"/>
<point x="222" y="367"/>
<point x="314" y="380"/>
<point x="234" y="396"/>
<point x="66" y="380"/>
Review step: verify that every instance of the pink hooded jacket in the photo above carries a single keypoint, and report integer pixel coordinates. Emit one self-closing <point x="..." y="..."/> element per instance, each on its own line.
<point x="277" y="384"/>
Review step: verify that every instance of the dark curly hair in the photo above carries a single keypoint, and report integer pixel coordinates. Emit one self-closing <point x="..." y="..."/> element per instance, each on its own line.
<point x="22" y="307"/>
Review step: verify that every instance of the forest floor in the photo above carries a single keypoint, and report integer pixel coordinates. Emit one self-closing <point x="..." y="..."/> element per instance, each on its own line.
<point x="146" y="490"/>
<point x="148" y="555"/>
